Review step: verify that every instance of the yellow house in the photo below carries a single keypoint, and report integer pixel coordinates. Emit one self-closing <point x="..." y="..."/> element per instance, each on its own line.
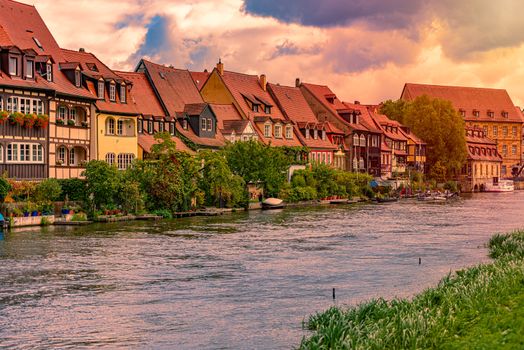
<point x="114" y="135"/>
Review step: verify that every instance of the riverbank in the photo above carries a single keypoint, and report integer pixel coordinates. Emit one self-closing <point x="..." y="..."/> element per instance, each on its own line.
<point x="480" y="307"/>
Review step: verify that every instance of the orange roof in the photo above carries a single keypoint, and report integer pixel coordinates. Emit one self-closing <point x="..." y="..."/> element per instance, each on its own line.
<point x="386" y="124"/>
<point x="200" y="78"/>
<point x="365" y="117"/>
<point x="146" y="141"/>
<point x="143" y="94"/>
<point x="224" y="113"/>
<point x="469" y="99"/>
<point x="22" y="26"/>
<point x="175" y="87"/>
<point x="481" y="147"/>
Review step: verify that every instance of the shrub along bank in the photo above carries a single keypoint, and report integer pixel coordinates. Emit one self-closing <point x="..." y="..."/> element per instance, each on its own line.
<point x="477" y="308"/>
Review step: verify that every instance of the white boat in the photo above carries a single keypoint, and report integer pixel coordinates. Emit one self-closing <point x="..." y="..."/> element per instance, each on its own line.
<point x="500" y="186"/>
<point x="273" y="203"/>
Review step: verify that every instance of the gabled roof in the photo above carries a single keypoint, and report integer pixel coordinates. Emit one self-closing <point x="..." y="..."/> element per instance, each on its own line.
<point x="195" y="108"/>
<point x="385" y="122"/>
<point x="226" y="114"/>
<point x="175" y="87"/>
<point x="365" y="118"/>
<point x="22" y="26"/>
<point x="146" y="141"/>
<point x="469" y="99"/>
<point x="143" y="94"/>
<point x="103" y="105"/>
<point x="200" y="78"/>
<point x="479" y="146"/>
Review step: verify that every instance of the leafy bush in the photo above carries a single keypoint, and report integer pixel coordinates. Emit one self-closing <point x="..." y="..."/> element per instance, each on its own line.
<point x="5" y="187"/>
<point x="74" y="189"/>
<point x="49" y="190"/>
<point x="166" y="214"/>
<point x="451" y="186"/>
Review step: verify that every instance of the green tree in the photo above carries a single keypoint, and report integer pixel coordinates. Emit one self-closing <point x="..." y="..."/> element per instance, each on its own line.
<point x="5" y="187"/>
<point x="102" y="183"/>
<point x="437" y="123"/>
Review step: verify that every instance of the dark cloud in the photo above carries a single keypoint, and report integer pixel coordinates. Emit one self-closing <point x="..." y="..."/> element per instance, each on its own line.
<point x="288" y="48"/>
<point x="389" y="14"/>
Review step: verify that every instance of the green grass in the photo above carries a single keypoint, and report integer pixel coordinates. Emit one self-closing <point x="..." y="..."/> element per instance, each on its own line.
<point x="478" y="308"/>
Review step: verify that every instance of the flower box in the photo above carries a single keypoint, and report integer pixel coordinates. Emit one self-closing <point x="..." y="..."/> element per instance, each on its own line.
<point x="59" y="122"/>
<point x="71" y="122"/>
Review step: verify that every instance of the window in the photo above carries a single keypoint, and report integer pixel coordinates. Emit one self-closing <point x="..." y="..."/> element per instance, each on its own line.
<point x="504" y="150"/>
<point x="72" y="160"/>
<point x="209" y="124"/>
<point x="100" y="89"/>
<point x="513" y="149"/>
<point x="78" y="78"/>
<point x="160" y="126"/>
<point x="184" y="124"/>
<point x="29" y="69"/>
<point x="123" y="93"/>
<point x="267" y="130"/>
<point x="13" y="66"/>
<point x="124" y="160"/>
<point x="324" y="135"/>
<point x="62" y="113"/>
<point x="25" y="152"/>
<point x="505" y="131"/>
<point x="505" y="114"/>
<point x="112" y="92"/>
<point x="149" y="126"/>
<point x="363" y="140"/>
<point x="62" y="154"/>
<point x="514" y="131"/>
<point x="254" y="108"/>
<point x="203" y="124"/>
<point x="491" y="114"/>
<point x="140" y="126"/>
<point x="307" y="134"/>
<point x="476" y="113"/>
<point x="495" y="131"/>
<point x="72" y="114"/>
<point x="110" y="158"/>
<point x="462" y="113"/>
<point x="49" y="72"/>
<point x="267" y="109"/>
<point x="485" y="129"/>
<point x="110" y="126"/>
<point x="503" y="170"/>
<point x="120" y="127"/>
<point x="315" y="134"/>
<point x="289" y="132"/>
<point x="278" y="130"/>
<point x="172" y="128"/>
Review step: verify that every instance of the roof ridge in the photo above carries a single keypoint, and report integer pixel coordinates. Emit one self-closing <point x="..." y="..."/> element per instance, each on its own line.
<point x="456" y="86"/>
<point x="21" y="3"/>
<point x="166" y="67"/>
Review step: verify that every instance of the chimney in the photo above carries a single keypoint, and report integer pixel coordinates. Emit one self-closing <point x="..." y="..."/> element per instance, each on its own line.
<point x="81" y="49"/>
<point x="357" y="102"/>
<point x="263" y="81"/>
<point x="297" y="82"/>
<point x="220" y="67"/>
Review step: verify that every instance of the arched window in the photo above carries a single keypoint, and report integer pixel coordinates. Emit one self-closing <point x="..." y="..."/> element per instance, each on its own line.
<point x="120" y="127"/>
<point x="362" y="140"/>
<point x="1" y="153"/>
<point x="61" y="155"/>
<point x="361" y="163"/>
<point x="355" y="140"/>
<point x="110" y="126"/>
<point x="72" y="158"/>
<point x="110" y="158"/>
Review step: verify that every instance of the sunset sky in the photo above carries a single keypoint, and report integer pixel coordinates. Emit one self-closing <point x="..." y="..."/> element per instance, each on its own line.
<point x="363" y="49"/>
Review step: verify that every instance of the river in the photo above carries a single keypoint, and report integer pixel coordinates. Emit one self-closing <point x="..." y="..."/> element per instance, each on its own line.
<point x="241" y="281"/>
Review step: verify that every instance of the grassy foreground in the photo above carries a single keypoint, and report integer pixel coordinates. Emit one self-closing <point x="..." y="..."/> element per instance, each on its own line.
<point x="478" y="308"/>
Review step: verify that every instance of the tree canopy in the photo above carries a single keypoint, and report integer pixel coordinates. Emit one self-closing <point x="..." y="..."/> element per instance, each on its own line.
<point x="437" y="123"/>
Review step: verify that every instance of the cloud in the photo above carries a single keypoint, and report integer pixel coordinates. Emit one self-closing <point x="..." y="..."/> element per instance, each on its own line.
<point x="289" y="48"/>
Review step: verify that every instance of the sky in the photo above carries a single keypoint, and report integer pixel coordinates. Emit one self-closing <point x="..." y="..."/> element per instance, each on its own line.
<point x="364" y="50"/>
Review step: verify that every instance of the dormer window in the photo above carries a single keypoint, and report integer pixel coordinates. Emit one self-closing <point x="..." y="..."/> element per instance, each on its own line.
<point x="184" y="124"/>
<point x="112" y="92"/>
<point x="289" y="132"/>
<point x="78" y="78"/>
<point x="140" y="126"/>
<point x="100" y="89"/>
<point x="476" y="113"/>
<point x="160" y="126"/>
<point x="149" y="127"/>
<point x="462" y="113"/>
<point x="491" y="114"/>
<point x="267" y="109"/>
<point x="172" y="128"/>
<point x="307" y="134"/>
<point x="49" y="72"/>
<point x="209" y="124"/>
<point x="123" y="93"/>
<point x="278" y="130"/>
<point x="505" y="114"/>
<point x="254" y="107"/>
<point x="324" y="135"/>
<point x="30" y="69"/>
<point x="13" y="66"/>
<point x="315" y="134"/>
<point x="203" y="124"/>
<point x="267" y="130"/>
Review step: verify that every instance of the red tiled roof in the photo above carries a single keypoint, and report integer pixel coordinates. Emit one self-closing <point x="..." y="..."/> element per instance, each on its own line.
<point x="200" y="78"/>
<point x="217" y="141"/>
<point x="480" y="146"/>
<point x="365" y="117"/>
<point x="384" y="121"/>
<point x="146" y="141"/>
<point x="175" y="87"/>
<point x="241" y="85"/>
<point x="105" y="105"/>
<point x="330" y="128"/>
<point x="225" y="113"/>
<point x="469" y="99"/>
<point x="20" y="25"/>
<point x="195" y="108"/>
<point x="146" y="101"/>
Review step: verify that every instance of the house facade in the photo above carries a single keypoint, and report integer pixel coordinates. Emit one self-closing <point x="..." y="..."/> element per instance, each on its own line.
<point x="490" y="110"/>
<point x="484" y="163"/>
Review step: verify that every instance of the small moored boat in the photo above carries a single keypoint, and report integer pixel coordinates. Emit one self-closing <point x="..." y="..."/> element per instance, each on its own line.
<point x="500" y="186"/>
<point x="272" y="203"/>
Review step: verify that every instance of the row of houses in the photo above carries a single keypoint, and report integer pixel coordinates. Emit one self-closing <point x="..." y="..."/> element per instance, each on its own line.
<point x="61" y="108"/>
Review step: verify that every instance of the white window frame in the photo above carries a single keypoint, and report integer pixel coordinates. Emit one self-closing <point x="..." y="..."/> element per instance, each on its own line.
<point x="172" y="129"/>
<point x="24" y="152"/>
<point x="123" y="93"/>
<point x="209" y="124"/>
<point x="72" y="157"/>
<point x="203" y="124"/>
<point x="278" y="130"/>
<point x="267" y="130"/>
<point x="124" y="160"/>
<point x="120" y="127"/>
<point x="61" y="154"/>
<point x="150" y="128"/>
<point x="140" y="126"/>
<point x="289" y="132"/>
<point x="1" y="153"/>
<point x="100" y="90"/>
<point x="49" y="72"/>
<point x="110" y="126"/>
<point x="112" y="92"/>
<point x="62" y="112"/>
<point x="13" y="65"/>
<point x="72" y="114"/>
<point x="78" y="78"/>
<point x="30" y="69"/>
<point x="110" y="158"/>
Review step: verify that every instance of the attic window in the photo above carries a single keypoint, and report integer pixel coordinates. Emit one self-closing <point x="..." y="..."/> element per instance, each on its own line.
<point x="162" y="75"/>
<point x="13" y="66"/>
<point x="254" y="107"/>
<point x="29" y="69"/>
<point x="267" y="109"/>
<point x="112" y="92"/>
<point x="476" y="113"/>
<point x="78" y="78"/>
<point x="462" y="112"/>
<point x="49" y="72"/>
<point x="491" y="114"/>
<point x="123" y="93"/>
<point x="100" y="89"/>
<point x="505" y="114"/>
<point x="38" y="43"/>
<point x="92" y="67"/>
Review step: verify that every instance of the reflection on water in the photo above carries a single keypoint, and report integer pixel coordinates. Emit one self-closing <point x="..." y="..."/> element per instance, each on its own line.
<point x="234" y="282"/>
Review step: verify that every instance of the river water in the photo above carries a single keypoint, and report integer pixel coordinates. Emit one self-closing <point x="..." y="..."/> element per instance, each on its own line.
<point x="241" y="281"/>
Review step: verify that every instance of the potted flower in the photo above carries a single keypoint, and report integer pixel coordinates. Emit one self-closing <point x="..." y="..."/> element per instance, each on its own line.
<point x="29" y="120"/>
<point x="42" y="121"/>
<point x="17" y="118"/>
<point x="65" y="210"/>
<point x="59" y="121"/>
<point x="3" y="116"/>
<point x="85" y="124"/>
<point x="71" y="122"/>
<point x="59" y="162"/>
